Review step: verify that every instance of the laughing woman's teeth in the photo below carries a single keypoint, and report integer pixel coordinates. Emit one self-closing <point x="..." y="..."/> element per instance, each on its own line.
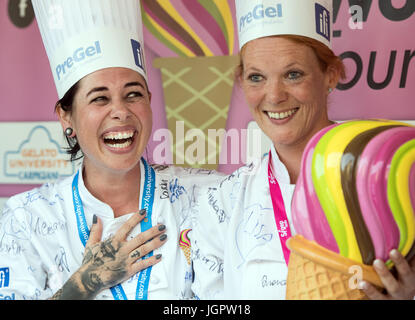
<point x="118" y="135"/>
<point x="119" y="139"/>
<point x="281" y="115"/>
<point x="121" y="145"/>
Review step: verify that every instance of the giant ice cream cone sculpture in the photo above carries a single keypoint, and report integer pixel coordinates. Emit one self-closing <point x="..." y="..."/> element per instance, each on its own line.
<point x="196" y="45"/>
<point x="354" y="202"/>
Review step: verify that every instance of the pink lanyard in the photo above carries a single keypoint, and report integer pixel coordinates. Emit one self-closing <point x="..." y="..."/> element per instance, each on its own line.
<point x="280" y="215"/>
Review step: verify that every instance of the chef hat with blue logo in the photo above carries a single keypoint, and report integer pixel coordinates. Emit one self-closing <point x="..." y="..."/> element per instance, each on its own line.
<point x="263" y="18"/>
<point x="83" y="36"/>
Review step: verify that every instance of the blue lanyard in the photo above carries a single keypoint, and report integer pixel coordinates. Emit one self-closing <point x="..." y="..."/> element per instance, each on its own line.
<point x="147" y="203"/>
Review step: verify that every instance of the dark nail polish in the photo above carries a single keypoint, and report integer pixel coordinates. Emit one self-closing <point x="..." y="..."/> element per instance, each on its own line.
<point x="158" y="256"/>
<point x="162" y="227"/>
<point x="94" y="219"/>
<point x="163" y="237"/>
<point x="142" y="212"/>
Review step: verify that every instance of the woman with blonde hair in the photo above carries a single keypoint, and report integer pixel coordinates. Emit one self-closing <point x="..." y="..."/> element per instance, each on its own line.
<point x="287" y="73"/>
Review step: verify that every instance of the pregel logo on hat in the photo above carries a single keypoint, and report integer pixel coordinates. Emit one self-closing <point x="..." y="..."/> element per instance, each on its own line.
<point x="263" y="18"/>
<point x="79" y="55"/>
<point x="84" y="36"/>
<point x="260" y="13"/>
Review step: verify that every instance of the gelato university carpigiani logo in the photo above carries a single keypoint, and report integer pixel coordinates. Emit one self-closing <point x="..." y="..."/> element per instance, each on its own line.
<point x="38" y="159"/>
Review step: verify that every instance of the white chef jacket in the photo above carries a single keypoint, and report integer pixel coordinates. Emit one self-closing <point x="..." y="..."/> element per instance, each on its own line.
<point x="40" y="247"/>
<point x="236" y="248"/>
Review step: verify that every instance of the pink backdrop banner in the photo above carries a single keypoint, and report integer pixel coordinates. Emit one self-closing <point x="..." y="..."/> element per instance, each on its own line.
<point x="380" y="57"/>
<point x="380" y="61"/>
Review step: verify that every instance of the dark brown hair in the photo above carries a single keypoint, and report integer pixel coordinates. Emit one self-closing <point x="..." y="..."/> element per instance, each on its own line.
<point x="66" y="104"/>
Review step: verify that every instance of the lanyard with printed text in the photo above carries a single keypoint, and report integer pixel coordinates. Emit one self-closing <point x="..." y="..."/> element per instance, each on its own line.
<point x="280" y="215"/>
<point x="146" y="203"/>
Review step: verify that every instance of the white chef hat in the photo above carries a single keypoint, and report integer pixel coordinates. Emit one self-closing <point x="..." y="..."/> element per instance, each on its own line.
<point x="83" y="36"/>
<point x="262" y="18"/>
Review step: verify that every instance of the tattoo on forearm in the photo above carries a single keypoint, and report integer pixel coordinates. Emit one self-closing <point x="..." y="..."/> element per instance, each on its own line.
<point x="91" y="281"/>
<point x="71" y="291"/>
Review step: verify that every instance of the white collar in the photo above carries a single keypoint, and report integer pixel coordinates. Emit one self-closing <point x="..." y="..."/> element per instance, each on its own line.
<point x="279" y="169"/>
<point x="101" y="208"/>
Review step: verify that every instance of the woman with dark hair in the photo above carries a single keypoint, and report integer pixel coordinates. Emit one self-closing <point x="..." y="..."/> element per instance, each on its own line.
<point x="104" y="232"/>
<point x="287" y="73"/>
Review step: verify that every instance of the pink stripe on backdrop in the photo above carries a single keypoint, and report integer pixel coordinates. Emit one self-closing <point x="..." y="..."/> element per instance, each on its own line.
<point x="158" y="48"/>
<point x="208" y="30"/>
<point x="231" y="4"/>
<point x="166" y="27"/>
<point x="157" y="102"/>
<point x="27" y="89"/>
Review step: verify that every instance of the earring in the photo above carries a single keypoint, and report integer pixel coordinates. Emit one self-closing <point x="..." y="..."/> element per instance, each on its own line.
<point x="330" y="90"/>
<point x="68" y="132"/>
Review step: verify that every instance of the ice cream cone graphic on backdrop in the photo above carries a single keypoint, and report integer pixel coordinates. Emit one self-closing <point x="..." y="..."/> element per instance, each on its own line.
<point x="195" y="41"/>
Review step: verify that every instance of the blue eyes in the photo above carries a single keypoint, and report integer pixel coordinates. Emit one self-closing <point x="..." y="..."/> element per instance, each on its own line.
<point x="294" y="75"/>
<point x="290" y="75"/>
<point x="255" y="77"/>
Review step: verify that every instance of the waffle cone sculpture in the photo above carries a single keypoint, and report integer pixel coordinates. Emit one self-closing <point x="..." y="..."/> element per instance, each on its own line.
<point x="353" y="203"/>
<point x="315" y="273"/>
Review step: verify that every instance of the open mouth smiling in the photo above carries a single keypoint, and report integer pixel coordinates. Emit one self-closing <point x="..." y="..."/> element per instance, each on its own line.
<point x="119" y="140"/>
<point x="281" y="115"/>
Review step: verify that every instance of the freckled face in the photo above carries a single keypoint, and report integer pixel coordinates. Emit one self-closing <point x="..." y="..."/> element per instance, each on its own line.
<point x="285" y="88"/>
<point x="112" y="118"/>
